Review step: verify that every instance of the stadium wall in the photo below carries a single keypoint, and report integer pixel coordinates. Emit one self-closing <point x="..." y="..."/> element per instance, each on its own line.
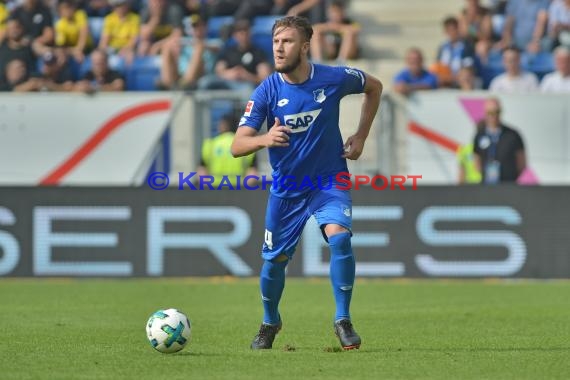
<point x="436" y="123"/>
<point x="77" y="139"/>
<point x="456" y="232"/>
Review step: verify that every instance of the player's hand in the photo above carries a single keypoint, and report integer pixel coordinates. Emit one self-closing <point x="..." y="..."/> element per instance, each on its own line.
<point x="278" y="135"/>
<point x="353" y="147"/>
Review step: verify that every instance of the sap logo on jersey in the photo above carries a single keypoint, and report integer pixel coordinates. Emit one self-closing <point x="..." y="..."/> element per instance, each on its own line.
<point x="300" y="122"/>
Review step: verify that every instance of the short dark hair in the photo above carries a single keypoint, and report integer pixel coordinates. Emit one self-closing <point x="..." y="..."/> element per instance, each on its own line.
<point x="338" y="3"/>
<point x="450" y="21"/>
<point x="70" y="3"/>
<point x="241" y="24"/>
<point x="300" y="23"/>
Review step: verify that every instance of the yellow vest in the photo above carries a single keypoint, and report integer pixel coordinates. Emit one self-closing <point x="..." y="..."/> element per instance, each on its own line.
<point x="122" y="31"/>
<point x="219" y="161"/>
<point x="3" y="16"/>
<point x="467" y="162"/>
<point x="67" y="31"/>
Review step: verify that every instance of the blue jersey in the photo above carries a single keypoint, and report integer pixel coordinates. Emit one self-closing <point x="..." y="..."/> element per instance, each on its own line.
<point x="311" y="109"/>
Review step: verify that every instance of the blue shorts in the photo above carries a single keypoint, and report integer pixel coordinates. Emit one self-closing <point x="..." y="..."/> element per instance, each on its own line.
<point x="285" y="218"/>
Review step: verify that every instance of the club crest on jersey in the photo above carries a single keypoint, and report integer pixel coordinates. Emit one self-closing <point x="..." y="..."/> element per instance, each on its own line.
<point x="319" y="95"/>
<point x="300" y="122"/>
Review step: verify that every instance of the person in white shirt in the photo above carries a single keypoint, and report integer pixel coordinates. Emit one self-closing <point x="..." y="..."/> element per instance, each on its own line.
<point x="514" y="80"/>
<point x="559" y="80"/>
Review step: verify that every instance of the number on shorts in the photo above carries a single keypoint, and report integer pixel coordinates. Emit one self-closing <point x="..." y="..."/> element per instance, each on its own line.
<point x="269" y="239"/>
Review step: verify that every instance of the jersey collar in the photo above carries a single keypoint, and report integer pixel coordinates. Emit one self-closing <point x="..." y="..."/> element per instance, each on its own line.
<point x="310" y="76"/>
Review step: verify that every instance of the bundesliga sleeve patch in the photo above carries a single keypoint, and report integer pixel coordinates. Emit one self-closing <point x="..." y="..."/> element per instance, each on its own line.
<point x="248" y="108"/>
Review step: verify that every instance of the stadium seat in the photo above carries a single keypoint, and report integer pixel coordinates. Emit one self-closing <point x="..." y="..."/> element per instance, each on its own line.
<point x="540" y="64"/>
<point x="143" y="74"/>
<point x="96" y="28"/>
<point x="219" y="108"/>
<point x="263" y="24"/>
<point x="215" y="25"/>
<point x="115" y="63"/>
<point x="265" y="43"/>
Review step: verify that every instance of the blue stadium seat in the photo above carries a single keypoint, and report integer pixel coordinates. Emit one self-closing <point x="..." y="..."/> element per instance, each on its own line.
<point x="215" y="24"/>
<point x="219" y="108"/>
<point x="96" y="28"/>
<point x="265" y="43"/>
<point x="263" y="24"/>
<point x="143" y="74"/>
<point x="540" y="64"/>
<point x="115" y="62"/>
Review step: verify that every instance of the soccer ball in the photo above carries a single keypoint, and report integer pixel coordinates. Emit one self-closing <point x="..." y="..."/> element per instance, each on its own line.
<point x="168" y="330"/>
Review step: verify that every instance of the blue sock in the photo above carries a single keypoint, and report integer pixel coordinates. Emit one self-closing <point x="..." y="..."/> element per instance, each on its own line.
<point x="272" y="282"/>
<point x="342" y="273"/>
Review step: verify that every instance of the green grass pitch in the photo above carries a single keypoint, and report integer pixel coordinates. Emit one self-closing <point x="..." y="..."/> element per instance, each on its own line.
<point x="95" y="329"/>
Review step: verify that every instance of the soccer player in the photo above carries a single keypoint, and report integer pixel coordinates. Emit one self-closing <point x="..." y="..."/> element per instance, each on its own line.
<point x="301" y="105"/>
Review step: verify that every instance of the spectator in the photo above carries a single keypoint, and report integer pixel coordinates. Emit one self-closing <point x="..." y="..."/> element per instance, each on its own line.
<point x="525" y="25"/>
<point x="559" y="22"/>
<point x="95" y="8"/>
<point x="120" y="30"/>
<point x="311" y="9"/>
<point x="3" y="19"/>
<point x="476" y="27"/>
<point x="453" y="54"/>
<point x="100" y="77"/>
<point x="161" y="20"/>
<point x="17" y="78"/>
<point x="37" y="21"/>
<point x="337" y="38"/>
<point x="559" y="80"/>
<point x="514" y="80"/>
<point x="15" y="46"/>
<point x="239" y="67"/>
<point x="182" y="66"/>
<point x="55" y="73"/>
<point x="217" y="159"/>
<point x="249" y="9"/>
<point x="468" y="172"/>
<point x="72" y="30"/>
<point x="499" y="150"/>
<point x="415" y="76"/>
<point x="467" y="81"/>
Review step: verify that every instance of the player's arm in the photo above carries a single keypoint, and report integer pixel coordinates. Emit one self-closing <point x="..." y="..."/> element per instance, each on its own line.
<point x="372" y="93"/>
<point x="247" y="140"/>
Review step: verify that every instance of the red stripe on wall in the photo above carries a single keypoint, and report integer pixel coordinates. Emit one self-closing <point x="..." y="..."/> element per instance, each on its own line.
<point x="433" y="136"/>
<point x="55" y="177"/>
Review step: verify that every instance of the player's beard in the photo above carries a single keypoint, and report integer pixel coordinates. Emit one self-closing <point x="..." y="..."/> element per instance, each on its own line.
<point x="286" y="69"/>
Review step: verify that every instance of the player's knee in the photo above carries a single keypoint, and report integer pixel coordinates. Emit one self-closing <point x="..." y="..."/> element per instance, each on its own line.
<point x="275" y="267"/>
<point x="340" y="242"/>
<point x="281" y="258"/>
<point x="334" y="229"/>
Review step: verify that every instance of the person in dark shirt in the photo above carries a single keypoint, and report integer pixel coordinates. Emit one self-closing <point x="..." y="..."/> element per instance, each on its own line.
<point x="240" y="66"/>
<point x="37" y="22"/>
<point x="499" y="150"/>
<point x="337" y="38"/>
<point x="100" y="77"/>
<point x="55" y="73"/>
<point x="17" y="78"/>
<point x="15" y="46"/>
